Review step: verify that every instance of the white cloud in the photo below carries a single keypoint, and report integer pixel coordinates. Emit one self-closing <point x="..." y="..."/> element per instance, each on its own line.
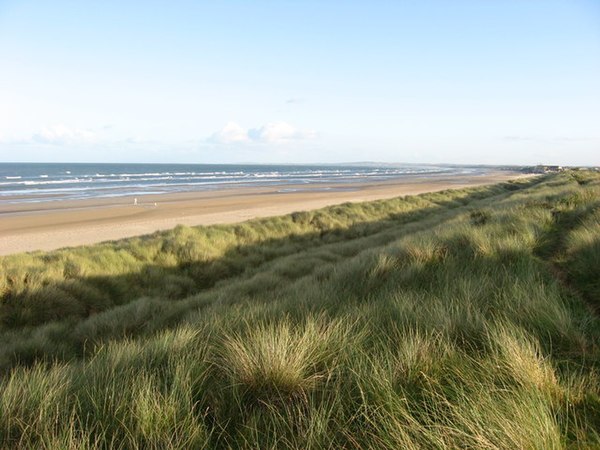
<point x="61" y="134"/>
<point x="279" y="132"/>
<point x="230" y="133"/>
<point x="272" y="132"/>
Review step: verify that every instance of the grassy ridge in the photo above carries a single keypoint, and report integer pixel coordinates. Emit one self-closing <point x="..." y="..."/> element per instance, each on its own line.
<point x="45" y="295"/>
<point x="454" y="319"/>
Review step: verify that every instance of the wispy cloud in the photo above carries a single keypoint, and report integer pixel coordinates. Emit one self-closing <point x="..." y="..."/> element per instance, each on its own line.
<point x="572" y="138"/>
<point x="62" y="135"/>
<point x="518" y="138"/>
<point x="272" y="132"/>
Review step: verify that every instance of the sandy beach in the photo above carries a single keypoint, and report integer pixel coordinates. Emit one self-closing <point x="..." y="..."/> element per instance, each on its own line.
<point x="51" y="225"/>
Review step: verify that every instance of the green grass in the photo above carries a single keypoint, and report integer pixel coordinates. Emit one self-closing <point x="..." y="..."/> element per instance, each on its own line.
<point x="458" y="319"/>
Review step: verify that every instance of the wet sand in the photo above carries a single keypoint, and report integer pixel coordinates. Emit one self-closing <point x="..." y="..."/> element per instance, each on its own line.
<point x="51" y="225"/>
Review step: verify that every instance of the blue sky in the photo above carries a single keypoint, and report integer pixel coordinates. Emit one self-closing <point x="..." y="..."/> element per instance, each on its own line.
<point x="496" y="82"/>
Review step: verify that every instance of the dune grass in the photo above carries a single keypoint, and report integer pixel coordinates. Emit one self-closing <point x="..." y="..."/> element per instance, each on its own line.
<point x="459" y="319"/>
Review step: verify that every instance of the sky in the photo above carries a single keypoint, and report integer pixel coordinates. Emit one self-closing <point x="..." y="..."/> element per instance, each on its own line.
<point x="465" y="82"/>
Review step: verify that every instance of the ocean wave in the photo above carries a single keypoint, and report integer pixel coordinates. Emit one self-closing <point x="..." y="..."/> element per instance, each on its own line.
<point x="114" y="181"/>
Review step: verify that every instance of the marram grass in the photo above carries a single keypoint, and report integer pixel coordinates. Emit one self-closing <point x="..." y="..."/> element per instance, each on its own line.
<point x="460" y="319"/>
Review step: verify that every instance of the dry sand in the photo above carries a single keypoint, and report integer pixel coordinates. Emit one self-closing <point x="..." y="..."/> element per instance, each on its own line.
<point x="51" y="225"/>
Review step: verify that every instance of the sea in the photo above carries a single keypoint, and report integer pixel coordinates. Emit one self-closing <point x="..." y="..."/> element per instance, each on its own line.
<point x="45" y="182"/>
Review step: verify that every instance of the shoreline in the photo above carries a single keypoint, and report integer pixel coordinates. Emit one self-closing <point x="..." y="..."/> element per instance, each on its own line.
<point x="47" y="226"/>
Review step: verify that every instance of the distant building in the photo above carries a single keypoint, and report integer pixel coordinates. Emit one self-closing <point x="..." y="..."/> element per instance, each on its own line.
<point x="544" y="169"/>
